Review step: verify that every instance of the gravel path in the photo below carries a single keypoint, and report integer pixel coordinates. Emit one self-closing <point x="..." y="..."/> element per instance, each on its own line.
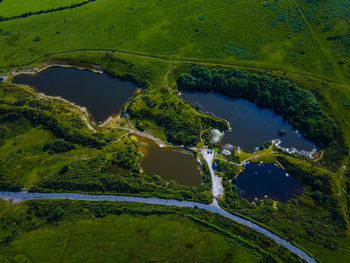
<point x="218" y="189"/>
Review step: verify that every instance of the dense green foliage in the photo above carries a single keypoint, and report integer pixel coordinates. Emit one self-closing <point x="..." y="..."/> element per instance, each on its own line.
<point x="58" y="146"/>
<point x="45" y="148"/>
<point x="321" y="191"/>
<point x="50" y="123"/>
<point x="297" y="106"/>
<point x="118" y="175"/>
<point x="227" y="169"/>
<point x="182" y="126"/>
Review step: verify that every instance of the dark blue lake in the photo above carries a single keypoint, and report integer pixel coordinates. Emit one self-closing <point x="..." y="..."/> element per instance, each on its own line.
<point x="251" y="126"/>
<point x="261" y="180"/>
<point x="101" y="94"/>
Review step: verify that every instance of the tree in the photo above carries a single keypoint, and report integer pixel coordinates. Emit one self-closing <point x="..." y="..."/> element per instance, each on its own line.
<point x="64" y="169"/>
<point x="317" y="195"/>
<point x="55" y="214"/>
<point x="157" y="178"/>
<point x="125" y="160"/>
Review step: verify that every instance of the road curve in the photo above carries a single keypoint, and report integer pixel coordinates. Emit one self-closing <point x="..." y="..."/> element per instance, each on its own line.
<point x="22" y="196"/>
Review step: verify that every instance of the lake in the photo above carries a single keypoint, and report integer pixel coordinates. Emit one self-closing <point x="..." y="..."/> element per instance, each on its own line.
<point x="170" y="164"/>
<point x="251" y="126"/>
<point x="101" y="94"/>
<point x="259" y="180"/>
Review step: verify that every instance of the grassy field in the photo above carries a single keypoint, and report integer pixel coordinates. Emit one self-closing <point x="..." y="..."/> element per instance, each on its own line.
<point x="127" y="238"/>
<point x="10" y="8"/>
<point x="284" y="35"/>
<point x="111" y="232"/>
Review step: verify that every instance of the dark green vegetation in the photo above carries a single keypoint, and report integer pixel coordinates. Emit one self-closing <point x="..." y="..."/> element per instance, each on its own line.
<point x="313" y="220"/>
<point x="102" y="231"/>
<point x="181" y="125"/>
<point x="297" y="106"/>
<point x="45" y="145"/>
<point x="317" y="215"/>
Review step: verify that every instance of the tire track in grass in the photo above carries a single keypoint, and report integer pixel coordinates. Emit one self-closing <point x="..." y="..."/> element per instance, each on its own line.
<point x="326" y="52"/>
<point x="28" y="14"/>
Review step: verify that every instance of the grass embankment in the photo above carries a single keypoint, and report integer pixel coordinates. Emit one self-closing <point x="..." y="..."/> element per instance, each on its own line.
<point x="78" y="231"/>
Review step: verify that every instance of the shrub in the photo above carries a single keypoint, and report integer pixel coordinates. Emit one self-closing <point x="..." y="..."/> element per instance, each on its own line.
<point x="282" y="132"/>
<point x="60" y="146"/>
<point x="55" y="214"/>
<point x="316" y="195"/>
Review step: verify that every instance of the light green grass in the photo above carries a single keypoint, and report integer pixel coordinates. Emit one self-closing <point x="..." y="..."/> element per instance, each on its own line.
<point x="126" y="238"/>
<point x="10" y="8"/>
<point x="172" y="29"/>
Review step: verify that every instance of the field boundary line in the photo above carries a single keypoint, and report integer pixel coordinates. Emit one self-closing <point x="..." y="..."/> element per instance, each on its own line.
<point x="61" y="8"/>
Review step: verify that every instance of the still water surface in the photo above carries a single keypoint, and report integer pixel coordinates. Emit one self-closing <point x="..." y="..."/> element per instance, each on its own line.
<point x="251" y="126"/>
<point x="101" y="94"/>
<point x="259" y="180"/>
<point x="170" y="164"/>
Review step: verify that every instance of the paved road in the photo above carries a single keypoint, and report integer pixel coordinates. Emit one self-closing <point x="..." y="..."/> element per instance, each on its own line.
<point x="21" y="196"/>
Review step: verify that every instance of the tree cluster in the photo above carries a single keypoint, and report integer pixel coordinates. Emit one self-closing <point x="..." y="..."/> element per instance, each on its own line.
<point x="296" y="105"/>
<point x="321" y="191"/>
<point x="37" y="118"/>
<point x="179" y="128"/>
<point x="58" y="146"/>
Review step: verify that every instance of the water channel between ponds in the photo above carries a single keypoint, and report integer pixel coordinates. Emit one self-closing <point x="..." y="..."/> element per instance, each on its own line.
<point x="101" y="94"/>
<point x="251" y="126"/>
<point x="170" y="164"/>
<point x="260" y="180"/>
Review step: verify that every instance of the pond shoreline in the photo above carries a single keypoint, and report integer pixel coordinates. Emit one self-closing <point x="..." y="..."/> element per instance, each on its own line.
<point x="250" y="126"/>
<point x="88" y="116"/>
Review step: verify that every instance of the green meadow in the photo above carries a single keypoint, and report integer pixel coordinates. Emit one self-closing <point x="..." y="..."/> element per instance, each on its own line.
<point x="14" y="8"/>
<point x="74" y="231"/>
<point x="46" y="146"/>
<point x="286" y="35"/>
